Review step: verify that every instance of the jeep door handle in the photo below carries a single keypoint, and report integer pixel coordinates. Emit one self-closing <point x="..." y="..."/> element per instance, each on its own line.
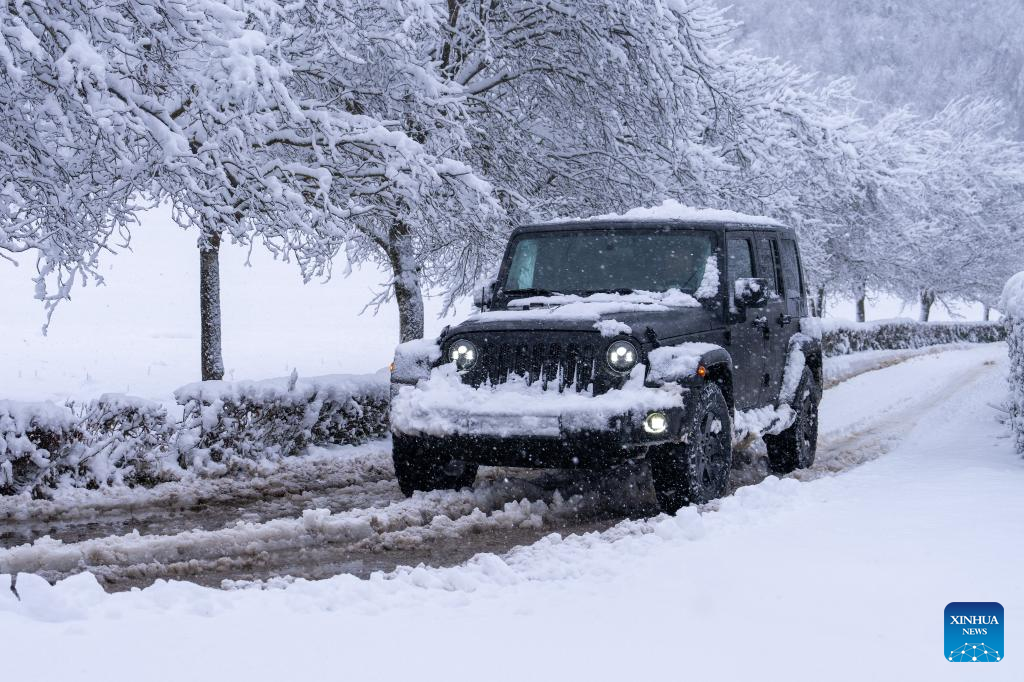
<point x="785" y="319"/>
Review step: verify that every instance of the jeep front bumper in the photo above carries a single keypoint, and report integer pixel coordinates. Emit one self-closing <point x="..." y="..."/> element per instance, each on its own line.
<point x="519" y="425"/>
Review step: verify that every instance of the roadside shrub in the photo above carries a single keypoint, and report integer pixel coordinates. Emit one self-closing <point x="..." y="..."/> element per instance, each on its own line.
<point x="126" y="441"/>
<point x="841" y="337"/>
<point x="1012" y="304"/>
<point x="242" y="423"/>
<point x="33" y="438"/>
<point x="123" y="440"/>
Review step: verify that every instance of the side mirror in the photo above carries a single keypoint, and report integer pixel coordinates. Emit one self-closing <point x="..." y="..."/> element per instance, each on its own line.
<point x="483" y="296"/>
<point x="751" y="292"/>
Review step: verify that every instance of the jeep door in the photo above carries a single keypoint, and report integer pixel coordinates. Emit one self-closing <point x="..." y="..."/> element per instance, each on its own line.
<point x="783" y="310"/>
<point x="748" y="344"/>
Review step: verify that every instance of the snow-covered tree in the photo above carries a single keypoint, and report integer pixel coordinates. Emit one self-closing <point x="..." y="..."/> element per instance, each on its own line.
<point x="930" y="210"/>
<point x="254" y="127"/>
<point x="375" y="138"/>
<point x="915" y="53"/>
<point x="76" y="138"/>
<point x="563" y="110"/>
<point x="414" y="134"/>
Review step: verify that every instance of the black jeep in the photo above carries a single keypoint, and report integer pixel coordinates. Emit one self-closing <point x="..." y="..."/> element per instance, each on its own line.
<point x="609" y="339"/>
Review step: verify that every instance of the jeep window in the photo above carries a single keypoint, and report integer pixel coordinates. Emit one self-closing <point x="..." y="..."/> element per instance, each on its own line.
<point x="791" y="269"/>
<point x="769" y="257"/>
<point x="777" y="266"/>
<point x="741" y="259"/>
<point x="793" y="277"/>
<point x="599" y="260"/>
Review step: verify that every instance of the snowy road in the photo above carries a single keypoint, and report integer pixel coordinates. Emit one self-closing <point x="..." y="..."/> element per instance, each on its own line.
<point x="340" y="511"/>
<point x="843" y="576"/>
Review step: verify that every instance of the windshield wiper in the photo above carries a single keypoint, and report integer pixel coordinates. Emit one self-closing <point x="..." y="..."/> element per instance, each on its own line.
<point x="529" y="292"/>
<point x="622" y="290"/>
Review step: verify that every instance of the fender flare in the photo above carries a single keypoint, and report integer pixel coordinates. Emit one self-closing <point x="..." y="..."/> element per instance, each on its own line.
<point x="803" y="352"/>
<point x="719" y="371"/>
<point x="681" y="364"/>
<point x="813" y="354"/>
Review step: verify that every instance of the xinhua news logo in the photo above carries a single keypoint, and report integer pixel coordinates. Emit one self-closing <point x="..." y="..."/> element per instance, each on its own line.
<point x="974" y="632"/>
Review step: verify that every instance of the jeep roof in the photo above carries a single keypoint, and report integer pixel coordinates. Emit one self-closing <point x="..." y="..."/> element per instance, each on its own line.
<point x="576" y="225"/>
<point x="668" y="213"/>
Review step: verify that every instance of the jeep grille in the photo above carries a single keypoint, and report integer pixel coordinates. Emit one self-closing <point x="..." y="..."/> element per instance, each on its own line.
<point x="562" y="364"/>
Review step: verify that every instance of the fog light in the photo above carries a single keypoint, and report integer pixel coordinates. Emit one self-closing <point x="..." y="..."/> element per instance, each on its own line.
<point x="656" y="423"/>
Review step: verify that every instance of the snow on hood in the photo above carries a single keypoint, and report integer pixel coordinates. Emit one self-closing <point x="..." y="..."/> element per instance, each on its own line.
<point x="673" y="210"/>
<point x="587" y="308"/>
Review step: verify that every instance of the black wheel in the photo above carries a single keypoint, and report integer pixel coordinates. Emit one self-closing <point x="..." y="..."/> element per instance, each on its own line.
<point x="419" y="465"/>
<point x="795" y="447"/>
<point x="698" y="471"/>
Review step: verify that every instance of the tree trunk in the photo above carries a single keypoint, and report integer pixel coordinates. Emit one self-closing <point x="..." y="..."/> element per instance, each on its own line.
<point x="408" y="291"/>
<point x="927" y="301"/>
<point x="212" y="358"/>
<point x="860" y="292"/>
<point x="820" y="306"/>
<point x="987" y="311"/>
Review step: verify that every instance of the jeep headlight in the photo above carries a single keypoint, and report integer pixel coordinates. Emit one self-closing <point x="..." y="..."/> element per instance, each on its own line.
<point x="622" y="356"/>
<point x="464" y="354"/>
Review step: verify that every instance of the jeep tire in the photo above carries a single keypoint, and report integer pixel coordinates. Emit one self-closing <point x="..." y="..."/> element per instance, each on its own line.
<point x="697" y="471"/>
<point x="795" y="447"/>
<point x="420" y="466"/>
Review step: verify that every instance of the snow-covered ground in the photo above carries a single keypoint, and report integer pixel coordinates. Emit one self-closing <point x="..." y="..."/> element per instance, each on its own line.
<point x="842" y="572"/>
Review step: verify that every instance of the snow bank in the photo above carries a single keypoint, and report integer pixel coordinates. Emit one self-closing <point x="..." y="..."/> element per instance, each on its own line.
<point x="248" y="422"/>
<point x="1012" y="304"/>
<point x="841" y="337"/>
<point x="673" y="210"/>
<point x="443" y="405"/>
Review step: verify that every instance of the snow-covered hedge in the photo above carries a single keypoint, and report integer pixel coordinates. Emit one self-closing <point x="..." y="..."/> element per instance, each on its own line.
<point x="115" y="440"/>
<point x="1012" y="305"/>
<point x="841" y="337"/>
<point x="33" y="438"/>
<point x="127" y="440"/>
<point x="238" y="423"/>
<point x="122" y="440"/>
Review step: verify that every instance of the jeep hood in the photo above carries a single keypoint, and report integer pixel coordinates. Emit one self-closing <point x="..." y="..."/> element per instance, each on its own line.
<point x="669" y="314"/>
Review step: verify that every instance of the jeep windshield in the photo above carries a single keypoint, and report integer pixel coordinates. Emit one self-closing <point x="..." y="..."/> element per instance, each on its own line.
<point x="608" y="260"/>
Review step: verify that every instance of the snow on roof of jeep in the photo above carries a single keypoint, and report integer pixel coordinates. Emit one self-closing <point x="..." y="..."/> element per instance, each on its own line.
<point x="673" y="210"/>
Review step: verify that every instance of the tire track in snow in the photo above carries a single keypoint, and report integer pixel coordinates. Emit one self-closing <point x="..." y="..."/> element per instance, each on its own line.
<point x="341" y="478"/>
<point x="440" y="528"/>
